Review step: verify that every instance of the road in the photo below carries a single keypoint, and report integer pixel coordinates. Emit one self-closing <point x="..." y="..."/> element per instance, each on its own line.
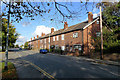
<point x="60" y="66"/>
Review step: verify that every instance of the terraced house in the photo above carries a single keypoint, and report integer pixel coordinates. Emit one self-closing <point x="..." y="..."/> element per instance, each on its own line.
<point x="70" y="38"/>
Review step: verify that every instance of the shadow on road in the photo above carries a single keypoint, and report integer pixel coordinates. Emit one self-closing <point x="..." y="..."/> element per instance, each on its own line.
<point x="64" y="67"/>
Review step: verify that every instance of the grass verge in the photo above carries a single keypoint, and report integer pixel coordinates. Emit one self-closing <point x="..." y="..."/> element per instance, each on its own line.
<point x="10" y="73"/>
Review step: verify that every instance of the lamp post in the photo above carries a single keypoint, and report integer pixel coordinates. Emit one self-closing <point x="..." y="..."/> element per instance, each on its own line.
<point x="49" y="42"/>
<point x="101" y="54"/>
<point x="6" y="52"/>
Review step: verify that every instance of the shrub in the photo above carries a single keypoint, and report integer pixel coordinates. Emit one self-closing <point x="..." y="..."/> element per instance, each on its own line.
<point x="59" y="51"/>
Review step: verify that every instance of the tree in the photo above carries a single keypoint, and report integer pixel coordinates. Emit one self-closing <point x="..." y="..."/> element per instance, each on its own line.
<point x="111" y="29"/>
<point x="20" y="9"/>
<point x="21" y="46"/>
<point x="30" y="9"/>
<point x="16" y="46"/>
<point x="13" y="35"/>
<point x="26" y="45"/>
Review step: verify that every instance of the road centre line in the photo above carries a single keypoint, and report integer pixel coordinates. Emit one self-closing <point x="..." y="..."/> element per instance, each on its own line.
<point x="41" y="70"/>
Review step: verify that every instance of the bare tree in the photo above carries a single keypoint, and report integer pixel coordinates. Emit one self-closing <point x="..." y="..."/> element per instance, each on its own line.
<point x="17" y="10"/>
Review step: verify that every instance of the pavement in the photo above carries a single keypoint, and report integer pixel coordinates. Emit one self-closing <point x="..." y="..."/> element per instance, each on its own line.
<point x="26" y="70"/>
<point x="33" y="65"/>
<point x="92" y="60"/>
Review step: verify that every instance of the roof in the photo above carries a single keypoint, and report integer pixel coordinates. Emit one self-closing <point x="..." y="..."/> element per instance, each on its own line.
<point x="79" y="26"/>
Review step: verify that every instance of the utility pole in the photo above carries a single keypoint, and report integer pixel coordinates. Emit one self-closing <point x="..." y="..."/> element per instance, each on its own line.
<point x="49" y="42"/>
<point x="6" y="52"/>
<point x="101" y="54"/>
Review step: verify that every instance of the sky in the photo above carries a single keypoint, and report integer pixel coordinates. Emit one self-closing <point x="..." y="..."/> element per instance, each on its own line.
<point x="28" y="28"/>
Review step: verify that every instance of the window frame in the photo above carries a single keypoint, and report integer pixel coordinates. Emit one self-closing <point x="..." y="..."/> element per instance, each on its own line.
<point x="53" y="38"/>
<point x="57" y="38"/>
<point x="62" y="48"/>
<point x="75" y="35"/>
<point x="98" y="21"/>
<point x="62" y="37"/>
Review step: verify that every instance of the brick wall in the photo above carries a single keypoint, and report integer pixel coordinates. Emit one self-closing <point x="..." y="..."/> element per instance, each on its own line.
<point x="69" y="40"/>
<point x="87" y="34"/>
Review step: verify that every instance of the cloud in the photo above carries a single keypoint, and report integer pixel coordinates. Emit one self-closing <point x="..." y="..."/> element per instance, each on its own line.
<point x="21" y="40"/>
<point x="95" y="15"/>
<point x="42" y="28"/>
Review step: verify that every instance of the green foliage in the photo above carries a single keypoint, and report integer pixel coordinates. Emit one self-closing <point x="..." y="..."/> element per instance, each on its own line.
<point x="26" y="45"/>
<point x="111" y="30"/>
<point x="13" y="35"/>
<point x="21" y="46"/>
<point x="58" y="51"/>
<point x="111" y="15"/>
<point x="16" y="46"/>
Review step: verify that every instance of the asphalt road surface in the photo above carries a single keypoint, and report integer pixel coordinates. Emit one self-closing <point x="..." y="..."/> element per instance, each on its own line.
<point x="60" y="66"/>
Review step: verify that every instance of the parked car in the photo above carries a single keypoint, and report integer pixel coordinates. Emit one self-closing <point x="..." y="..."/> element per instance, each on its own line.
<point x="44" y="51"/>
<point x="20" y="48"/>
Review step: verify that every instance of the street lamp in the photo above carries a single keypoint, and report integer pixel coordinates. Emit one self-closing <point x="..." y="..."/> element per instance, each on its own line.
<point x="6" y="52"/>
<point x="101" y="54"/>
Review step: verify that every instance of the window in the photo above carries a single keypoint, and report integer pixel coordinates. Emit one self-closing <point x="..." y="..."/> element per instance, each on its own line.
<point x="49" y="39"/>
<point x="75" y="35"/>
<point x="56" y="47"/>
<point x="70" y="48"/>
<point x="63" y="48"/>
<point x="40" y="41"/>
<point x="97" y="21"/>
<point x="57" y="38"/>
<point x="44" y="40"/>
<point x="45" y="46"/>
<point x="98" y="33"/>
<point x="62" y="36"/>
<point x="77" y="47"/>
<point x="54" y="38"/>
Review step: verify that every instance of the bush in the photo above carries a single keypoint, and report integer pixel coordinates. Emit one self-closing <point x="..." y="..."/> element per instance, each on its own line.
<point x="59" y="51"/>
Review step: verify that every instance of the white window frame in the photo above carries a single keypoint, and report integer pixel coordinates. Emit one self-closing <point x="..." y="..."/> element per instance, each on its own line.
<point x="57" y="38"/>
<point x="49" y="39"/>
<point x="40" y="41"/>
<point x="45" y="46"/>
<point x="63" y="48"/>
<point x="98" y="21"/>
<point x="53" y="38"/>
<point x="79" y="47"/>
<point x="44" y="40"/>
<point x="75" y="35"/>
<point x="62" y="37"/>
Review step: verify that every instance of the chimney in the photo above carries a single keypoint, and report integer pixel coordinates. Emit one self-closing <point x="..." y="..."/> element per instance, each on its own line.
<point x="34" y="37"/>
<point x="43" y="34"/>
<point x="65" y="25"/>
<point x="37" y="36"/>
<point x="52" y="30"/>
<point x="90" y="17"/>
<point x="31" y="39"/>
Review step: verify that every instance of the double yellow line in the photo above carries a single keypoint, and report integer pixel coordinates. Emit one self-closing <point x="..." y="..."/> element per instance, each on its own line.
<point x="41" y="70"/>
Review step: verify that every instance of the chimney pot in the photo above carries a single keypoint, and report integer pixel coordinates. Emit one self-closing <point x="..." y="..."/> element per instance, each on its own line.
<point x="34" y="37"/>
<point x="65" y="25"/>
<point x="37" y="36"/>
<point x="90" y="17"/>
<point x="43" y="34"/>
<point x="31" y="39"/>
<point x="52" y="30"/>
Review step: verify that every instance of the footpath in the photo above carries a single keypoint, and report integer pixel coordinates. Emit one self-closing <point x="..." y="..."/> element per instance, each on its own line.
<point x="91" y="60"/>
<point x="26" y="70"/>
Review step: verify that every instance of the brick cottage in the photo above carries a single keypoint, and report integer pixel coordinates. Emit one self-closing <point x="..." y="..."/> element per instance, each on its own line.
<point x="70" y="38"/>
